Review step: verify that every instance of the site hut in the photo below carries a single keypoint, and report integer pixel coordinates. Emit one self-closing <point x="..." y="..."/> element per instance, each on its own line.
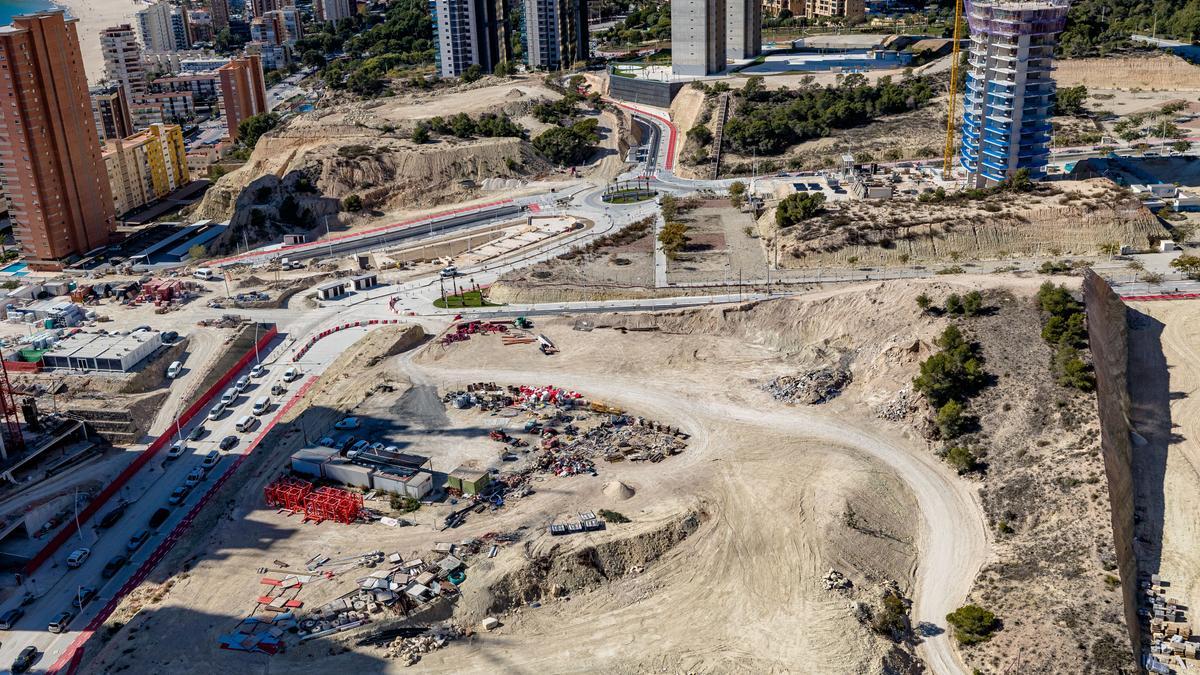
<point x="331" y="290"/>
<point x="468" y="480"/>
<point x="363" y="282"/>
<point x="95" y="351"/>
<point x="344" y="471"/>
<point x="400" y="473"/>
<point x="311" y="461"/>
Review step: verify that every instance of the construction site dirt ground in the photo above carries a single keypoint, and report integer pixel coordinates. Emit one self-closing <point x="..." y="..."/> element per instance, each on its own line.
<point x="722" y="244"/>
<point x="1164" y="364"/>
<point x="768" y="485"/>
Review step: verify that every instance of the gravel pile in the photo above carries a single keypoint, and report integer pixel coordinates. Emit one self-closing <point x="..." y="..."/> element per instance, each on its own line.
<point x="813" y="387"/>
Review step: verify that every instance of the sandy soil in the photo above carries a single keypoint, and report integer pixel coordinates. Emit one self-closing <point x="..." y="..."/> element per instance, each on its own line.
<point x="1165" y="364"/>
<point x="94" y="16"/>
<point x="1161" y="71"/>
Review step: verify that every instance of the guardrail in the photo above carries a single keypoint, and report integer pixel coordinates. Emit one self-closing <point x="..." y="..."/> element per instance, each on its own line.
<point x="72" y="657"/>
<point x="326" y="333"/>
<point x="136" y="465"/>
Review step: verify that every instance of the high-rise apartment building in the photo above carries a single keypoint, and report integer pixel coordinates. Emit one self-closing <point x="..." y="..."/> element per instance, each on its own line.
<point x="111" y="111"/>
<point x="469" y="33"/>
<point x="123" y="62"/>
<point x="556" y="33"/>
<point x="181" y="28"/>
<point x="698" y="30"/>
<point x="333" y="10"/>
<point x="243" y="91"/>
<point x="219" y="11"/>
<point x="146" y="167"/>
<point x="50" y="164"/>
<point x="155" y="28"/>
<point x="743" y="34"/>
<point x="259" y="8"/>
<point x="278" y="27"/>
<point x="1009" y="94"/>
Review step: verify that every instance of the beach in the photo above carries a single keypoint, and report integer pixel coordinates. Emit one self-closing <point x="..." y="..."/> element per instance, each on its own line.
<point x="94" y="16"/>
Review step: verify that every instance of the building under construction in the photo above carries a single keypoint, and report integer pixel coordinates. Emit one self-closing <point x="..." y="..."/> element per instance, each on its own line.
<point x="1009" y="93"/>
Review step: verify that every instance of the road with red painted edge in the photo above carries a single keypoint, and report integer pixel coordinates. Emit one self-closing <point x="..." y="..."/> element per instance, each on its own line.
<point x="69" y="661"/>
<point x="669" y="164"/>
<point x="93" y="507"/>
<point x="1169" y="296"/>
<point x="352" y="235"/>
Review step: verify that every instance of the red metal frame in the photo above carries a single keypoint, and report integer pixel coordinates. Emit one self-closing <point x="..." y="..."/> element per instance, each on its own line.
<point x="10" y="424"/>
<point x="287" y="493"/>
<point x="328" y="503"/>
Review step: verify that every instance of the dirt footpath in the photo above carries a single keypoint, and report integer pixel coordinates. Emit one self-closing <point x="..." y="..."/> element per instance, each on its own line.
<point x="1164" y="363"/>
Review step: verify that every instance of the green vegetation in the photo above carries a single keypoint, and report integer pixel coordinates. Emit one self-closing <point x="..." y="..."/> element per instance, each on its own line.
<point x="487" y="125"/>
<point x="962" y="459"/>
<point x="973" y="624"/>
<point x="701" y="134"/>
<point x="953" y="374"/>
<point x="769" y="122"/>
<point x="464" y="299"/>
<point x="924" y="302"/>
<point x="1097" y="27"/>
<point x="650" y="21"/>
<point x="952" y="420"/>
<point x="798" y="207"/>
<point x="197" y="252"/>
<point x="1188" y="265"/>
<point x="569" y="145"/>
<point x="403" y="503"/>
<point x="892" y="618"/>
<point x="1069" y="101"/>
<point x="553" y="112"/>
<point x="252" y="128"/>
<point x="352" y="203"/>
<point x="1066" y="330"/>
<point x="673" y="237"/>
<point x="612" y="516"/>
<point x="378" y="47"/>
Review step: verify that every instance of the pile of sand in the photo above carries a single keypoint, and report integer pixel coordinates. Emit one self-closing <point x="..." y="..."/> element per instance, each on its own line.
<point x="618" y="490"/>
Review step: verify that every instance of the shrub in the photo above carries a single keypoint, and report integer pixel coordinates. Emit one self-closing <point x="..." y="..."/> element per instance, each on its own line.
<point x="404" y="503"/>
<point x="972" y="303"/>
<point x="420" y="133"/>
<point x="673" y="237"/>
<point x="924" y="302"/>
<point x="701" y="134"/>
<point x="962" y="459"/>
<point x="352" y="203"/>
<point x="951" y="420"/>
<point x="953" y="374"/>
<point x="973" y="624"/>
<point x="798" y="207"/>
<point x="1072" y="371"/>
<point x="612" y="516"/>
<point x="892" y="619"/>
<point x="954" y="304"/>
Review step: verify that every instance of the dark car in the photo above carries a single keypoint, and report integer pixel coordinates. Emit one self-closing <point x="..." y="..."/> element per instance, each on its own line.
<point x="109" y="519"/>
<point x="158" y="517"/>
<point x="179" y="494"/>
<point x="25" y="659"/>
<point x="115" y="563"/>
<point x="9" y="618"/>
<point x="228" y="442"/>
<point x="197" y="432"/>
<point x="83" y="596"/>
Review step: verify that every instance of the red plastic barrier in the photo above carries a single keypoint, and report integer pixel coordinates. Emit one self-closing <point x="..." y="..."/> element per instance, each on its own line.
<point x="1170" y="296"/>
<point x="136" y="465"/>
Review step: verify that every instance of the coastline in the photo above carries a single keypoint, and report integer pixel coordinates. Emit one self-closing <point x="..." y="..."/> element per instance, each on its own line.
<point x="93" y="17"/>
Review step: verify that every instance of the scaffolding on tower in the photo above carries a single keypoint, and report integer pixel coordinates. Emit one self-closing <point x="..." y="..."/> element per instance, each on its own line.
<point x="948" y="154"/>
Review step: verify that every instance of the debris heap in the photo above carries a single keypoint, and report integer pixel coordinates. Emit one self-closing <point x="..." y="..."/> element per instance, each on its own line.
<point x="815" y="386"/>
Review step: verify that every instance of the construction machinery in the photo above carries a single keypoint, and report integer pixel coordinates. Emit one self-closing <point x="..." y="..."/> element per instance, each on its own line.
<point x="952" y="102"/>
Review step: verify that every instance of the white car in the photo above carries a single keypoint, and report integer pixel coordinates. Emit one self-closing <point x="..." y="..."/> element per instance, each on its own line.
<point x="291" y="374"/>
<point x="176" y="450"/>
<point x="217" y="411"/>
<point x="78" y="557"/>
<point x="174" y="369"/>
<point x="241" y="384"/>
<point x="347" y="423"/>
<point x="258" y="370"/>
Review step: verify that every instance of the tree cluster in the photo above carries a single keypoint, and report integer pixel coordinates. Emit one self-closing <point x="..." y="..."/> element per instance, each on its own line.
<point x="649" y="21"/>
<point x="949" y="379"/>
<point x="769" y="122"/>
<point x="1097" y="27"/>
<point x="797" y="207"/>
<point x="571" y="145"/>
<point x="252" y="128"/>
<point x="1066" y="330"/>
<point x="462" y="125"/>
<point x="973" y="624"/>
<point x="376" y="45"/>
<point x="1070" y="100"/>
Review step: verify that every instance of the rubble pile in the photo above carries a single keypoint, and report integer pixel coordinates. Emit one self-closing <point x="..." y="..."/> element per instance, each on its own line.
<point x="815" y="386"/>
<point x="898" y="408"/>
<point x="835" y="580"/>
<point x="409" y="649"/>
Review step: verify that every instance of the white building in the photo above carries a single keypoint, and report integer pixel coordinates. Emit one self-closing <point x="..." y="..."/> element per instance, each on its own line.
<point x="94" y="351"/>
<point x="123" y="64"/>
<point x="163" y="28"/>
<point x="332" y="10"/>
<point x="698" y="33"/>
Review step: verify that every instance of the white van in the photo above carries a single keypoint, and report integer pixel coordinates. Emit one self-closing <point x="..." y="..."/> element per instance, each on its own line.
<point x="203" y="273"/>
<point x="246" y="423"/>
<point x="173" y="369"/>
<point x="217" y="411"/>
<point x="291" y="374"/>
<point x="229" y="396"/>
<point x="261" y="405"/>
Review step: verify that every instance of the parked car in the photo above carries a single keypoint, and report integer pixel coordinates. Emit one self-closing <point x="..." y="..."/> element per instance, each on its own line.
<point x="258" y="370"/>
<point x="345" y="442"/>
<point x="347" y="423"/>
<point x="229" y="396"/>
<point x="115" y="563"/>
<point x="278" y="389"/>
<point x="241" y="384"/>
<point x="177" y="449"/>
<point x="60" y="621"/>
<point x="377" y="446"/>
<point x="135" y="542"/>
<point x="291" y="374"/>
<point x="246" y="423"/>
<point x="228" y="442"/>
<point x="174" y="369"/>
<point x="327" y="441"/>
<point x="10" y="618"/>
<point x="359" y="447"/>
<point x="83" y="596"/>
<point x="261" y="405"/>
<point x="217" y="411"/>
<point x="449" y="271"/>
<point x="194" y="477"/>
<point x="158" y="517"/>
<point x="109" y="519"/>
<point x="198" y="432"/>
<point x="179" y="494"/>
<point x="78" y="557"/>
<point x="25" y="659"/>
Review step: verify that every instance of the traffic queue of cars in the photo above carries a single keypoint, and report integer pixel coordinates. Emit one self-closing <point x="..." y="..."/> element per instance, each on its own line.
<point x="86" y="594"/>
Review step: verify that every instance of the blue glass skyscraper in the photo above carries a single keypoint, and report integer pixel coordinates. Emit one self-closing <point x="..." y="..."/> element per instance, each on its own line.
<point x="1009" y="95"/>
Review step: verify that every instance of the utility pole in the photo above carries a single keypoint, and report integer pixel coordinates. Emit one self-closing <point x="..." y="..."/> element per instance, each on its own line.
<point x="327" y="237"/>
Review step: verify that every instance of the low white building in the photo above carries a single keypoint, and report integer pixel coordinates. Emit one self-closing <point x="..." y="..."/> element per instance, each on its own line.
<point x="96" y="351"/>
